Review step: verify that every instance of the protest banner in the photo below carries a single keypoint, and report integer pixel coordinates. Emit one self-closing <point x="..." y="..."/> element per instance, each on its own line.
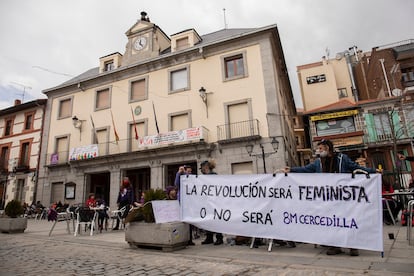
<point x="326" y="209"/>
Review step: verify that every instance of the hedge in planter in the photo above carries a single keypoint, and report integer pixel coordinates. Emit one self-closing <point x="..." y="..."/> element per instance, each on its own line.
<point x="13" y="223"/>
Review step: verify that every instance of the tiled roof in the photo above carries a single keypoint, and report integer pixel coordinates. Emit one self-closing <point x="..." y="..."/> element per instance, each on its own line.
<point x="211" y="38"/>
<point x="342" y="104"/>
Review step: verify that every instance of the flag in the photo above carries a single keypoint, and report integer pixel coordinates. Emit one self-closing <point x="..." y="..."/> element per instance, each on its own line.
<point x="94" y="130"/>
<point x="135" y="125"/>
<point x="155" y="117"/>
<point x="113" y="124"/>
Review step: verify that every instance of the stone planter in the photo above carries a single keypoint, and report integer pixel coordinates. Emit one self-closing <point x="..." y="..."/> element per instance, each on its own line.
<point x="166" y="236"/>
<point x="13" y="225"/>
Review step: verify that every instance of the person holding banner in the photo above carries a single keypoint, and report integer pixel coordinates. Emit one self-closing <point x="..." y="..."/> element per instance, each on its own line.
<point x="329" y="161"/>
<point x="207" y="167"/>
<point x="402" y="157"/>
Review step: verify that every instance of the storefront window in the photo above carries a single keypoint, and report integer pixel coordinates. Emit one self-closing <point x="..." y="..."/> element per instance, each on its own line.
<point x="335" y="126"/>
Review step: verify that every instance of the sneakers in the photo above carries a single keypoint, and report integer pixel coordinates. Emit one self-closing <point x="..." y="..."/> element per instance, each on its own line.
<point x="353" y="252"/>
<point x="334" y="251"/>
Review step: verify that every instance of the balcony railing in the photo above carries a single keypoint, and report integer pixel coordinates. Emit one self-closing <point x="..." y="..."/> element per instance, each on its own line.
<point x="238" y="130"/>
<point x="180" y="137"/>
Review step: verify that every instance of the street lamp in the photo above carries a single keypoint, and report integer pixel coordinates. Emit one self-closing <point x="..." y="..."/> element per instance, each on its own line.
<point x="77" y="124"/>
<point x="203" y="95"/>
<point x="275" y="146"/>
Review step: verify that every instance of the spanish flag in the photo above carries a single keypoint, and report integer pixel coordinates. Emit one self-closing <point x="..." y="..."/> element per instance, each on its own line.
<point x="135" y="124"/>
<point x="116" y="133"/>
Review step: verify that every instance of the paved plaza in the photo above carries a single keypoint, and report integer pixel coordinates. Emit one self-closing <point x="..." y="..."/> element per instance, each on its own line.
<point x="35" y="253"/>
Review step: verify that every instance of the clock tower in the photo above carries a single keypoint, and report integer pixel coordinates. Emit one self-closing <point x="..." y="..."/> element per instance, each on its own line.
<point x="145" y="40"/>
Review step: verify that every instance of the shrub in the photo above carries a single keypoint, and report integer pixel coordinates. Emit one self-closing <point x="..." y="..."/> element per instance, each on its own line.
<point x="14" y="209"/>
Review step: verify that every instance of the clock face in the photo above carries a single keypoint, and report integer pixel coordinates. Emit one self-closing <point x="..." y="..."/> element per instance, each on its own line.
<point x="140" y="43"/>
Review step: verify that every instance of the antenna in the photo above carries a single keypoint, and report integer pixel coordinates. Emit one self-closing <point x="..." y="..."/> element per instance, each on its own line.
<point x="24" y="88"/>
<point x="224" y="15"/>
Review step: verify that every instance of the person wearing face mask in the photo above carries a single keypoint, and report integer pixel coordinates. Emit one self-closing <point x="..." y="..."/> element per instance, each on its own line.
<point x="329" y="161"/>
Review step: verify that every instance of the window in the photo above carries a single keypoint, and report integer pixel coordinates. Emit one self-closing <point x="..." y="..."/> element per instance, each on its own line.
<point x="141" y="132"/>
<point x="103" y="138"/>
<point x="182" y="43"/>
<point x="103" y="99"/>
<point x="179" y="121"/>
<point x="407" y="74"/>
<point x="335" y="126"/>
<point x="28" y="121"/>
<point x="382" y="126"/>
<point x="234" y="66"/>
<point x="238" y="118"/>
<point x="24" y="160"/>
<point x="20" y="194"/>
<point x="242" y="168"/>
<point x="61" y="149"/>
<point x="138" y="90"/>
<point x="65" y="108"/>
<point x="179" y="80"/>
<point x="316" y="79"/>
<point x="4" y="158"/>
<point x="9" y="127"/>
<point x="342" y="93"/>
<point x="109" y="65"/>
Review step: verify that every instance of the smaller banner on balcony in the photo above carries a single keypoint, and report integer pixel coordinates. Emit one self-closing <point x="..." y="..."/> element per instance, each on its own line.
<point x="327" y="209"/>
<point x="188" y="134"/>
<point x="86" y="152"/>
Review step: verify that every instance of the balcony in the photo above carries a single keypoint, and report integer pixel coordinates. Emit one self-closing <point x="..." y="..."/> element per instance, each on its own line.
<point x="239" y="131"/>
<point x="152" y="142"/>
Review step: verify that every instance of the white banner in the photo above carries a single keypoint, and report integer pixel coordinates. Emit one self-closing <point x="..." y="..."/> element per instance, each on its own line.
<point x="326" y="209"/>
<point x="166" y="210"/>
<point x="195" y="133"/>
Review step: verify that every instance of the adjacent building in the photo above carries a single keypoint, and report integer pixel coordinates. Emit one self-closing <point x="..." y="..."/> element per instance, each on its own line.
<point x="21" y="129"/>
<point x="165" y="102"/>
<point x="364" y="103"/>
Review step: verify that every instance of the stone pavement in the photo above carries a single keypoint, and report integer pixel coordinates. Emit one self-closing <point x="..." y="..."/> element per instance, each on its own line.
<point x="35" y="253"/>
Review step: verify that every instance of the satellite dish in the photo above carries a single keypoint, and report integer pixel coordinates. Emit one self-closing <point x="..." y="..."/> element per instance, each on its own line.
<point x="396" y="92"/>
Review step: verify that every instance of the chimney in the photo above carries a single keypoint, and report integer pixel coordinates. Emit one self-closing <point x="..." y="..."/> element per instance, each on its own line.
<point x="17" y="102"/>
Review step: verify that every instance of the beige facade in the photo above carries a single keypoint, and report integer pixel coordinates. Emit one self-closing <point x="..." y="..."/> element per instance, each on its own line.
<point x="325" y="82"/>
<point x="21" y="133"/>
<point x="209" y="96"/>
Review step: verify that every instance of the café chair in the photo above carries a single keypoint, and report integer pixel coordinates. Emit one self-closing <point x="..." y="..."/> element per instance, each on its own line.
<point x="87" y="217"/>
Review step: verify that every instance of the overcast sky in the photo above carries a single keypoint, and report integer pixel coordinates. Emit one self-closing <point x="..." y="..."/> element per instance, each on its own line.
<point x="47" y="42"/>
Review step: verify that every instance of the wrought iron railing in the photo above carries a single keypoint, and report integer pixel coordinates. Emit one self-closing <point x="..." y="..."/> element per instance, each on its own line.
<point x="128" y="145"/>
<point x="238" y="130"/>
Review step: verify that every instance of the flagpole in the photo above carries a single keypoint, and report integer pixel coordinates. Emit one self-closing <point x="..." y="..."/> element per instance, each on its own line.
<point x="155" y="117"/>
<point x="135" y="125"/>
<point x="115" y="132"/>
<point x="94" y="130"/>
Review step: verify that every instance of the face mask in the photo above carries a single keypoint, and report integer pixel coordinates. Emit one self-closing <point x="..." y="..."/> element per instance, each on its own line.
<point x="323" y="153"/>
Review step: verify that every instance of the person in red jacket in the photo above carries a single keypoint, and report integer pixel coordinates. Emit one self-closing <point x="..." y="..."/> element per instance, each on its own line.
<point x="91" y="202"/>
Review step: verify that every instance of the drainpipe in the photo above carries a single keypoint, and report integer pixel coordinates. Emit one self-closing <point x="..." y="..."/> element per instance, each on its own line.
<point x="351" y="74"/>
<point x="381" y="60"/>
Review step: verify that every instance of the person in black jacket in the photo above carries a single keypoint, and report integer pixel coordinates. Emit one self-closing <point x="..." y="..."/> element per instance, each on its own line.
<point x="403" y="157"/>
<point x="207" y="167"/>
<point x="125" y="199"/>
